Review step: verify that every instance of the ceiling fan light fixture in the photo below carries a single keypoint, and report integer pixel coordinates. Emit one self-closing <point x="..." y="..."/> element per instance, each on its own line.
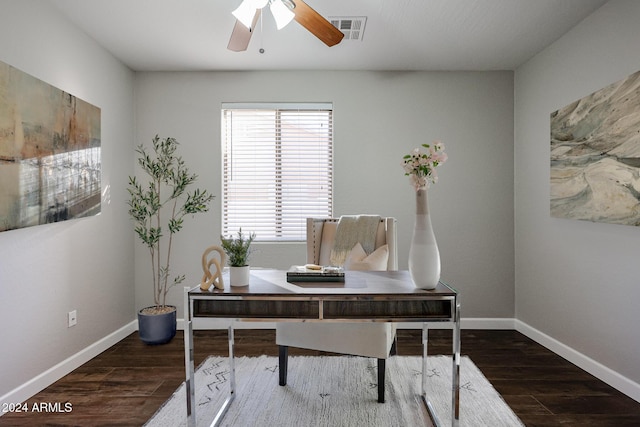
<point x="304" y="15"/>
<point x="281" y="13"/>
<point x="245" y="12"/>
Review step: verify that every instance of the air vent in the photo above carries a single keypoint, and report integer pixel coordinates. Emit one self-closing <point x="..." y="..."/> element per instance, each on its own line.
<point x="351" y="26"/>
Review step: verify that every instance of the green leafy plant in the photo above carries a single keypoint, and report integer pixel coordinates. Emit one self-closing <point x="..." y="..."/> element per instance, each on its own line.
<point x="159" y="207"/>
<point x="238" y="249"/>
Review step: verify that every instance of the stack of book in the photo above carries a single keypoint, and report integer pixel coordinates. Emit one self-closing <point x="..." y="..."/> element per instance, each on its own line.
<point x="314" y="273"/>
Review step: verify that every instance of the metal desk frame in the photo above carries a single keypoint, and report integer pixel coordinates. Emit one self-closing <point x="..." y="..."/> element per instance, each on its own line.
<point x="323" y="301"/>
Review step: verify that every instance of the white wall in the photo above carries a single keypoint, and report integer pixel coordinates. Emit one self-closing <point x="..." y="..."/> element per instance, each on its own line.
<point x="86" y="264"/>
<point x="379" y="117"/>
<point x="577" y="282"/>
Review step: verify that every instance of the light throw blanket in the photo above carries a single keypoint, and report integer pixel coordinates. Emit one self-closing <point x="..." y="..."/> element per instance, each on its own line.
<point x="353" y="229"/>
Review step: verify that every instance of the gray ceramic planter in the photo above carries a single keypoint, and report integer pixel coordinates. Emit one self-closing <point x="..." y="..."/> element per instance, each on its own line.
<point x="157" y="328"/>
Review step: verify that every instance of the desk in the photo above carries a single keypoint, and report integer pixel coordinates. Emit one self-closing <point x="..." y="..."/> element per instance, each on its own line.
<point x="365" y="296"/>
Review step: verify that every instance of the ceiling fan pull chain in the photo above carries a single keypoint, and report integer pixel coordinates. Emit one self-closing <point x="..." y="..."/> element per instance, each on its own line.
<point x="261" y="50"/>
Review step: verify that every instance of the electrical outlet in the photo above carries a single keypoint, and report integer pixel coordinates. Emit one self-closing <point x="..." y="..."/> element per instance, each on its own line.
<point x="72" y="317"/>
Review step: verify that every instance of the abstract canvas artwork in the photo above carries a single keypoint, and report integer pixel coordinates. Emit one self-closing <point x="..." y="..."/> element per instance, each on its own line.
<point x="50" y="158"/>
<point x="595" y="156"/>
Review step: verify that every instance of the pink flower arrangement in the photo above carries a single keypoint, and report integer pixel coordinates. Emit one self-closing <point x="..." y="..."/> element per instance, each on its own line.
<point x="420" y="166"/>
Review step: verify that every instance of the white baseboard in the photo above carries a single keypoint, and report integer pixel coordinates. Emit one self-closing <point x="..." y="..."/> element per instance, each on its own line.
<point x="614" y="379"/>
<point x="487" y="323"/>
<point x="609" y="376"/>
<point x="212" y="324"/>
<point x="48" y="377"/>
<point x="469" y="323"/>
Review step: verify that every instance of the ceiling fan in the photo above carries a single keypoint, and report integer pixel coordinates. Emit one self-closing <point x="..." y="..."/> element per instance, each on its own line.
<point x="248" y="13"/>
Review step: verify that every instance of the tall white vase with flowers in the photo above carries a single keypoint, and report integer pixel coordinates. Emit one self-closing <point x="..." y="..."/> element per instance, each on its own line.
<point x="424" y="256"/>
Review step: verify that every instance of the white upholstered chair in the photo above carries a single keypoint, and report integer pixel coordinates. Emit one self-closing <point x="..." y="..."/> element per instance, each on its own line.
<point x="358" y="339"/>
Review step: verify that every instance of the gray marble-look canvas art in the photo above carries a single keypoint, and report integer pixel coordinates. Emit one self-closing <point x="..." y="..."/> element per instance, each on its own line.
<point x="595" y="156"/>
<point x="50" y="153"/>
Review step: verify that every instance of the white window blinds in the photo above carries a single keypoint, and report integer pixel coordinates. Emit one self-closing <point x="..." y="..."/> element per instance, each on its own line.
<point x="277" y="168"/>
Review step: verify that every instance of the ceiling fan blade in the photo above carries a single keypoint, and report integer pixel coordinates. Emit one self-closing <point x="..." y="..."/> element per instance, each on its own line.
<point x="241" y="35"/>
<point x="316" y="24"/>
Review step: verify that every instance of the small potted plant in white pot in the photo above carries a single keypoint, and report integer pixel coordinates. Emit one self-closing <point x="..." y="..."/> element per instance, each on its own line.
<point x="238" y="250"/>
<point x="158" y="208"/>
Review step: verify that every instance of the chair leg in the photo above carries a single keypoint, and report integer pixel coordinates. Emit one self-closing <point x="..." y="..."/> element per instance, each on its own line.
<point x="283" y="360"/>
<point x="382" y="364"/>
<point x="394" y="347"/>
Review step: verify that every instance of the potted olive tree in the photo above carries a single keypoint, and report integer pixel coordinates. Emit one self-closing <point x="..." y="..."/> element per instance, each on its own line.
<point x="238" y="250"/>
<point x="158" y="208"/>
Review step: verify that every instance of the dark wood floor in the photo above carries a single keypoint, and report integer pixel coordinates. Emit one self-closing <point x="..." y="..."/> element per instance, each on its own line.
<point x="126" y="384"/>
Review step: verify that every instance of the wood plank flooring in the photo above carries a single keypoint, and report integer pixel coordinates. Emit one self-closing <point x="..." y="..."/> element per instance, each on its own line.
<point x="126" y="384"/>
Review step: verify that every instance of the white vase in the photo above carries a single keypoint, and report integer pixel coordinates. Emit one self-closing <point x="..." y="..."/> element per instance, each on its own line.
<point x="424" y="257"/>
<point x="239" y="276"/>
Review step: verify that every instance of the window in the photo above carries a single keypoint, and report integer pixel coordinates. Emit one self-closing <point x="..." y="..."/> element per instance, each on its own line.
<point x="277" y="168"/>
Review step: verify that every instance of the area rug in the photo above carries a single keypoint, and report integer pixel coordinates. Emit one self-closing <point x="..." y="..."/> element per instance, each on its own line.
<point x="336" y="391"/>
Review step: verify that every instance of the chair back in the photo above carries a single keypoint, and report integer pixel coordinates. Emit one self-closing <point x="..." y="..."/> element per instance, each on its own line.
<point x="321" y="233"/>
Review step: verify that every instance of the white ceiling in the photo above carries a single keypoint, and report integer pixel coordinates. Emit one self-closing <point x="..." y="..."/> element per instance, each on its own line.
<point x="154" y="35"/>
